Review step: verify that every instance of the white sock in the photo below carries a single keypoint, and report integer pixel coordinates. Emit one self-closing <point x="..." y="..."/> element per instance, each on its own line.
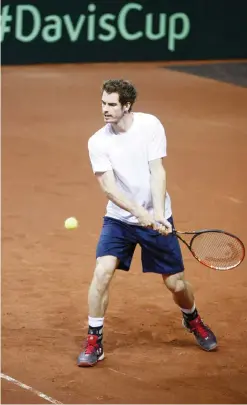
<point x="95" y="322"/>
<point x="189" y="311"/>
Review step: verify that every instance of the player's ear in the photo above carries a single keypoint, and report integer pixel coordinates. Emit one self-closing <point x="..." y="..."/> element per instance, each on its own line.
<point x="127" y="107"/>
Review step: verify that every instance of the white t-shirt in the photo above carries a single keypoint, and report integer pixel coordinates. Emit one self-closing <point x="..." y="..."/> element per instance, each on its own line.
<point x="128" y="155"/>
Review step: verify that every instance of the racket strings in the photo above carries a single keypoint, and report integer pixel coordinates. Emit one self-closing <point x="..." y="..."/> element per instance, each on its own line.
<point x="219" y="250"/>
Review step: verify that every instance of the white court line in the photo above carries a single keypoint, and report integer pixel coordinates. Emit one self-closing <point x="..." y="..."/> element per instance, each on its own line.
<point x="127" y="375"/>
<point x="26" y="387"/>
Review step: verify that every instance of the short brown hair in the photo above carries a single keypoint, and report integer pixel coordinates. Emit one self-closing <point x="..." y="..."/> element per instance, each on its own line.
<point x="125" y="89"/>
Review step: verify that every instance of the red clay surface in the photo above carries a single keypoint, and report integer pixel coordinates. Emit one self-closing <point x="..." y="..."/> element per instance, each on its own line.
<point x="49" y="112"/>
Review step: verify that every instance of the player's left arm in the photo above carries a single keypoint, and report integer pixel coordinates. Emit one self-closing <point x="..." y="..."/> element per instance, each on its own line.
<point x="158" y="186"/>
<point x="156" y="153"/>
<point x="158" y="190"/>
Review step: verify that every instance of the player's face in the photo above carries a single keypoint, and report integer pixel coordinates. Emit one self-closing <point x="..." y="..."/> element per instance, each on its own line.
<point x="112" y="110"/>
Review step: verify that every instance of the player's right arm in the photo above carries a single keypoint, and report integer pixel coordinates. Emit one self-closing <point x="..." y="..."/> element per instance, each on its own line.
<point x="102" y="168"/>
<point x="109" y="187"/>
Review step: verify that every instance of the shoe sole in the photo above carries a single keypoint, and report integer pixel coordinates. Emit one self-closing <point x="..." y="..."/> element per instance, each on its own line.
<point x="87" y="364"/>
<point x="213" y="346"/>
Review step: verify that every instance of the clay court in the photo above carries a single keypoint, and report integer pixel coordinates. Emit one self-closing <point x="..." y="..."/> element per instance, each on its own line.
<point x="49" y="112"/>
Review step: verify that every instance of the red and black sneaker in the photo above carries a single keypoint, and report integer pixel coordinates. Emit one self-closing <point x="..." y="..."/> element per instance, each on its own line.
<point x="92" y="353"/>
<point x="203" y="334"/>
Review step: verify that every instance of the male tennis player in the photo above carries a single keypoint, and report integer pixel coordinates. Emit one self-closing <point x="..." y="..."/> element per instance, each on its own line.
<point x="126" y="156"/>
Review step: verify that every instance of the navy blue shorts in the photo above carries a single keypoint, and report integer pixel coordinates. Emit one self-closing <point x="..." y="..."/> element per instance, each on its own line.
<point x="159" y="254"/>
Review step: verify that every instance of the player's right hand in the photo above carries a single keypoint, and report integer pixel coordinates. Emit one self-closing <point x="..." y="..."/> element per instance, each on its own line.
<point x="144" y="218"/>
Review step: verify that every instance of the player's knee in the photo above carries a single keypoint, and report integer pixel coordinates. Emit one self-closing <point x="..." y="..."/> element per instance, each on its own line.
<point x="180" y="286"/>
<point x="102" y="275"/>
<point x="103" y="272"/>
<point x="175" y="283"/>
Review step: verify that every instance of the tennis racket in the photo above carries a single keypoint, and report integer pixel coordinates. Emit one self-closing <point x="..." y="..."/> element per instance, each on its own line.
<point x="214" y="248"/>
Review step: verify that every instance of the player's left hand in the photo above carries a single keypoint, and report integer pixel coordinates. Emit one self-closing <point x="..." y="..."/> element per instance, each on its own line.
<point x="163" y="226"/>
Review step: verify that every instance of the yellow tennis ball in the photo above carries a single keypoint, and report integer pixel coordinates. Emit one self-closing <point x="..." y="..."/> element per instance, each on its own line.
<point x="71" y="223"/>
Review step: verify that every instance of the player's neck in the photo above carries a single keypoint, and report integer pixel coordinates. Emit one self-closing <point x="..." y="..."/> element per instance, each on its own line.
<point x="124" y="124"/>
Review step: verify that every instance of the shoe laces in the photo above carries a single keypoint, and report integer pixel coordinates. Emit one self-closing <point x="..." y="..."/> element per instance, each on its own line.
<point x="91" y="344"/>
<point x="198" y="326"/>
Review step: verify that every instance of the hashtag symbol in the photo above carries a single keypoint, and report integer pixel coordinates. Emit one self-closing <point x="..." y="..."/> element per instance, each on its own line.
<point x="5" y="20"/>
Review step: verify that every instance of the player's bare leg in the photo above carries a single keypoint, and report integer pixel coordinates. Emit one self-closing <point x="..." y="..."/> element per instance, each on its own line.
<point x="98" y="297"/>
<point x="98" y="294"/>
<point x="183" y="296"/>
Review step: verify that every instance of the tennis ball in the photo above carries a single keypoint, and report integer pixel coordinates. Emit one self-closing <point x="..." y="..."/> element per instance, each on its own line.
<point x="71" y="223"/>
